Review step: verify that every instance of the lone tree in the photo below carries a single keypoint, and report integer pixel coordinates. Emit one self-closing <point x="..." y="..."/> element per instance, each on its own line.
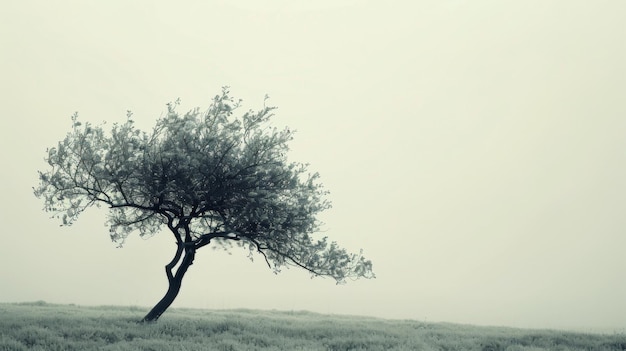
<point x="209" y="177"/>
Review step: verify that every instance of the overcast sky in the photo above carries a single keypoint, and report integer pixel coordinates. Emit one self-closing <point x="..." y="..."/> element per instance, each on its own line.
<point x="475" y="150"/>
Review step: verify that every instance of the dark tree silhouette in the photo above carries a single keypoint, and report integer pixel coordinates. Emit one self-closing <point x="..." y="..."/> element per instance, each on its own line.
<point x="209" y="177"/>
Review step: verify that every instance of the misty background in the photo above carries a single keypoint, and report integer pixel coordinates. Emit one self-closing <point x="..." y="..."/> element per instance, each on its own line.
<point x="475" y="150"/>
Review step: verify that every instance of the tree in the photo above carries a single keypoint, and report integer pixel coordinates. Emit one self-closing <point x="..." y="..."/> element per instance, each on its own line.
<point x="208" y="177"/>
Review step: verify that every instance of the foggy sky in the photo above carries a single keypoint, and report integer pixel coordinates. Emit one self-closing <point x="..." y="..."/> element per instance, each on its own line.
<point x="475" y="150"/>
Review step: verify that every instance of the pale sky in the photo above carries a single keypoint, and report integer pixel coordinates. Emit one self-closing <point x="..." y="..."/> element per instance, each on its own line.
<point x="475" y="150"/>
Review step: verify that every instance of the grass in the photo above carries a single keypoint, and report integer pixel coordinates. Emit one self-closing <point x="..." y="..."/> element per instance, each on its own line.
<point x="42" y="326"/>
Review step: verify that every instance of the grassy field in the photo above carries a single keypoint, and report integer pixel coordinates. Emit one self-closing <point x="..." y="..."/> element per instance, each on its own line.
<point x="41" y="326"/>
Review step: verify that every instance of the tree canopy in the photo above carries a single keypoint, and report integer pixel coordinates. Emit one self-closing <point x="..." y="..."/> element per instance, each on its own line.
<point x="208" y="177"/>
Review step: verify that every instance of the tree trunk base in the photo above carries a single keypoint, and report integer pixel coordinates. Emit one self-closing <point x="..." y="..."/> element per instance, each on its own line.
<point x="175" y="282"/>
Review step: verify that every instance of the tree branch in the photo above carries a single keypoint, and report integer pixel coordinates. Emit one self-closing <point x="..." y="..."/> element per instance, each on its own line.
<point x="259" y="249"/>
<point x="205" y="239"/>
<point x="172" y="264"/>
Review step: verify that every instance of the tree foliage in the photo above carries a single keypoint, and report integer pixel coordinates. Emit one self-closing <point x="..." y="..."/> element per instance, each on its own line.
<point x="207" y="177"/>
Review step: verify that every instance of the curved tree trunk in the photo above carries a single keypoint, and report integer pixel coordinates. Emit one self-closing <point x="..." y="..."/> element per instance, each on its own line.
<point x="175" y="282"/>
